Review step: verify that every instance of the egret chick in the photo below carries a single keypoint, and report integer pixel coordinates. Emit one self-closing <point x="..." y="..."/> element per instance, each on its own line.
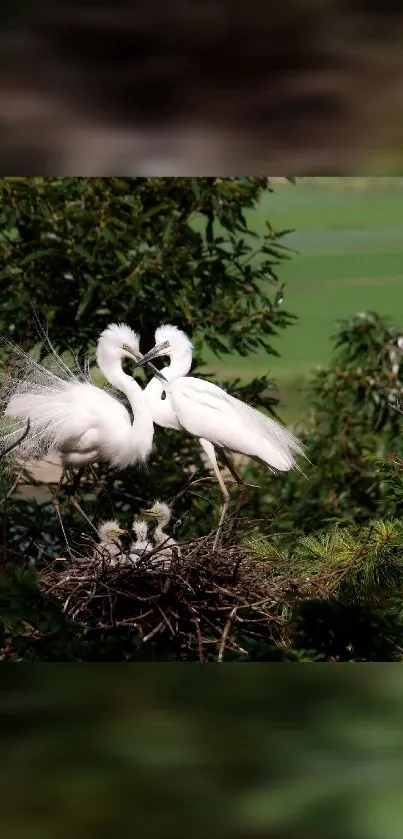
<point x="109" y="543"/>
<point x="140" y="547"/>
<point x="161" y="512"/>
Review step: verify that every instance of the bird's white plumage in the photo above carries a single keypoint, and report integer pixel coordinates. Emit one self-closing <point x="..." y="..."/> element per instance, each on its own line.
<point x="69" y="414"/>
<point x="180" y="344"/>
<point x="140" y="528"/>
<point x="207" y="411"/>
<point x="142" y="544"/>
<point x="161" y="512"/>
<point x="76" y="416"/>
<point x="109" y="530"/>
<point x="109" y="544"/>
<point x="121" y="334"/>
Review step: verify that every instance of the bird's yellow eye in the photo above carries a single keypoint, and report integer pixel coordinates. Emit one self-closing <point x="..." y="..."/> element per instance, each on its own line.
<point x="132" y="352"/>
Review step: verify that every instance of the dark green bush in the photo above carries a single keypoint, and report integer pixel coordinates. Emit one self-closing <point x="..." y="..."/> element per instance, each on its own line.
<point x="352" y="423"/>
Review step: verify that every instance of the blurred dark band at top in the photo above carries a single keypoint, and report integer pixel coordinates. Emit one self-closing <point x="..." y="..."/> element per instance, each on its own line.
<point x="174" y="87"/>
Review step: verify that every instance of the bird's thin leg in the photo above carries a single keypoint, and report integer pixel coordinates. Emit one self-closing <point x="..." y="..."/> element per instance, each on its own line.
<point x="93" y="472"/>
<point x="209" y="450"/>
<point x="244" y="489"/>
<point x="76" y="481"/>
<point x="231" y="468"/>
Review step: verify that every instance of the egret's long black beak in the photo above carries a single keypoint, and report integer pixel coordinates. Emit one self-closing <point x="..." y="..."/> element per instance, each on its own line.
<point x="145" y="360"/>
<point x="153" y="369"/>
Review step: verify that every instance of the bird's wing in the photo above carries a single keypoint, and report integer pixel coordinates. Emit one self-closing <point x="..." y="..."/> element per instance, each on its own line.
<point x="205" y="410"/>
<point x="61" y="412"/>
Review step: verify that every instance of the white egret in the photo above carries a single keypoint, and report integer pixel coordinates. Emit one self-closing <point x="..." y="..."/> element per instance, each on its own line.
<point x="109" y="543"/>
<point x="214" y="416"/>
<point x="161" y="512"/>
<point x="142" y="544"/>
<point x="85" y="423"/>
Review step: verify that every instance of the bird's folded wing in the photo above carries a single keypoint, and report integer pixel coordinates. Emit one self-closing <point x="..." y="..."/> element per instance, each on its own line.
<point x="205" y="410"/>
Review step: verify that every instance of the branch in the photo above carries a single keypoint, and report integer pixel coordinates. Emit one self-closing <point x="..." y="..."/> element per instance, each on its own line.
<point x="226" y="630"/>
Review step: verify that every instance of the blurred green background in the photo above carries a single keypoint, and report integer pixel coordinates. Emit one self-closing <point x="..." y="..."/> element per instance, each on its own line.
<point x="349" y="242"/>
<point x="285" y="753"/>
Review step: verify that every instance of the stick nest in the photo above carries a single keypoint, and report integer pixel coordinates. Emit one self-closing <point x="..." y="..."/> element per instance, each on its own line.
<point x="204" y="604"/>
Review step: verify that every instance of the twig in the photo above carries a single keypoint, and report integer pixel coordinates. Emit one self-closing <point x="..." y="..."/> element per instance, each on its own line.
<point x="236" y="568"/>
<point x="166" y="620"/>
<point x="196" y="622"/>
<point x="159" y="628"/>
<point x="229" y="593"/>
<point x="224" y="635"/>
<point x="73" y="501"/>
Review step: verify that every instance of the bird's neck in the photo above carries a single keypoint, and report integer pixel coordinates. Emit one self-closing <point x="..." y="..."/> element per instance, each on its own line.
<point x="142" y="428"/>
<point x="178" y="366"/>
<point x="112" y="546"/>
<point x="118" y="378"/>
<point x="159" y="534"/>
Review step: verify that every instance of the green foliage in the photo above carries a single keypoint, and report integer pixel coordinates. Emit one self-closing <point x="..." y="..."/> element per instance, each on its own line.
<point x="339" y="631"/>
<point x="353" y="422"/>
<point x="85" y="251"/>
<point x="390" y="472"/>
<point x="30" y="620"/>
<point x="350" y="590"/>
<point x="360" y="564"/>
<point x="6" y="479"/>
<point x="21" y="603"/>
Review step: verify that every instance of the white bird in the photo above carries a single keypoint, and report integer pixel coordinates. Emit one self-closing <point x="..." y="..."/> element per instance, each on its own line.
<point x="109" y="543"/>
<point x="142" y="545"/>
<point x="214" y="416"/>
<point x="162" y="513"/>
<point x="68" y="414"/>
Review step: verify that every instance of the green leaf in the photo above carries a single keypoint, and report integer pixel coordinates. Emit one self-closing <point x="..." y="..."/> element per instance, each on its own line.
<point x="92" y="284"/>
